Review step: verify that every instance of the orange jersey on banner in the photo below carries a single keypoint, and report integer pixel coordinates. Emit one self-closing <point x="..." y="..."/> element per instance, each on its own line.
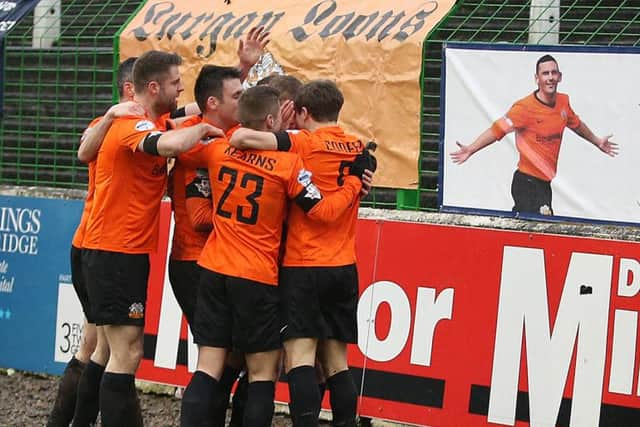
<point x="327" y="153"/>
<point x="78" y="236"/>
<point x="539" y="129"/>
<point x="128" y="189"/>
<point x="250" y="194"/>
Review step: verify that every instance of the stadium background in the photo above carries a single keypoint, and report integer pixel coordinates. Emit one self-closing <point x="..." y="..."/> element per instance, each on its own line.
<point x="51" y="93"/>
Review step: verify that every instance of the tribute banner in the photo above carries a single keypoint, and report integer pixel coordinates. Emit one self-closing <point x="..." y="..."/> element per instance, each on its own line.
<point x="372" y="49"/>
<point x="491" y="88"/>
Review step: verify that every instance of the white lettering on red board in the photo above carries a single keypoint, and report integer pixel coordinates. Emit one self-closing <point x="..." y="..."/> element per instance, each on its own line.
<point x="429" y="311"/>
<point x="583" y="315"/>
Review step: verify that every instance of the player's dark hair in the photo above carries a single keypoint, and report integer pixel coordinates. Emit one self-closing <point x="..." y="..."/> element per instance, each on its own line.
<point x="288" y="86"/>
<point x="210" y="82"/>
<point x="256" y="104"/>
<point x="322" y="99"/>
<point x="545" y="58"/>
<point x="125" y="74"/>
<point x="152" y="66"/>
<point x="266" y="80"/>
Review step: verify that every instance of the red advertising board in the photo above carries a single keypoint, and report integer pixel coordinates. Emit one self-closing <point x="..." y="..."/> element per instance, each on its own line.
<point x="462" y="326"/>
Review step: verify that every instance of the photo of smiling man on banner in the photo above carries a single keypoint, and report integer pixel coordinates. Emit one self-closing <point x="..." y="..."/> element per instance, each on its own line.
<point x="539" y="169"/>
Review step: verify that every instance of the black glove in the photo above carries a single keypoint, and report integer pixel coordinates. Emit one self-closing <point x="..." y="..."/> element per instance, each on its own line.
<point x="364" y="160"/>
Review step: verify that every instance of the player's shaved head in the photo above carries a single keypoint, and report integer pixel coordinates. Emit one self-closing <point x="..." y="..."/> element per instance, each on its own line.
<point x="256" y="104"/>
<point x="125" y="73"/>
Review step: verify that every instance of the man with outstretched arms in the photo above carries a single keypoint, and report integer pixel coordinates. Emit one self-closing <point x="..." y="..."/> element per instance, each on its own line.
<point x="238" y="303"/>
<point x="123" y="226"/>
<point x="539" y="121"/>
<point x="319" y="280"/>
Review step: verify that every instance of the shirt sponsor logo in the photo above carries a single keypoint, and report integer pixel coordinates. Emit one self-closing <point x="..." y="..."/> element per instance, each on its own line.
<point x="144" y="125"/>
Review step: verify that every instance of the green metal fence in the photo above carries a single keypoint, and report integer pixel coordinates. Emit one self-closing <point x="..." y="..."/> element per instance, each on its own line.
<point x="51" y="94"/>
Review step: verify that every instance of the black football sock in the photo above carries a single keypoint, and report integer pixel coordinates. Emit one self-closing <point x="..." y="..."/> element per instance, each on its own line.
<point x="259" y="409"/>
<point x="87" y="400"/>
<point x="197" y="408"/>
<point x="239" y="401"/>
<point x="119" y="405"/>
<point x="344" y="399"/>
<point x="305" y="396"/>
<point x="322" y="388"/>
<point x="65" y="403"/>
<point x="228" y="378"/>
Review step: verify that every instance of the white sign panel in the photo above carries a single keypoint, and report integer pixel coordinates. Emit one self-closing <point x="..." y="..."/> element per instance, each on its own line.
<point x="584" y="181"/>
<point x="69" y="323"/>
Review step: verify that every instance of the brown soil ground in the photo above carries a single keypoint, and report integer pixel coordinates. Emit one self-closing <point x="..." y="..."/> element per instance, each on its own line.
<point x="26" y="399"/>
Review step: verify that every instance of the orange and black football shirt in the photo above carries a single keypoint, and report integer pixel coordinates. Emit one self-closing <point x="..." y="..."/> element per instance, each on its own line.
<point x="190" y="192"/>
<point x="539" y="128"/>
<point x="78" y="236"/>
<point x="129" y="186"/>
<point x="328" y="153"/>
<point x="251" y="190"/>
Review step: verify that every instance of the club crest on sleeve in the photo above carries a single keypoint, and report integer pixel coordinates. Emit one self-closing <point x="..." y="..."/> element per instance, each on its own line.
<point x="204" y="187"/>
<point x="144" y="125"/>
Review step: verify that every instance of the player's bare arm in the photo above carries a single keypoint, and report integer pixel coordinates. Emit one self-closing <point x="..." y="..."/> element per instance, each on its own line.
<point x="251" y="48"/>
<point x="604" y="144"/>
<point x="485" y="139"/>
<point x="246" y="139"/>
<point x="172" y="143"/>
<point x="92" y="138"/>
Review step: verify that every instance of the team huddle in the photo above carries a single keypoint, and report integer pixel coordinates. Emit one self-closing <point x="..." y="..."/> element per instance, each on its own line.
<point x="265" y="189"/>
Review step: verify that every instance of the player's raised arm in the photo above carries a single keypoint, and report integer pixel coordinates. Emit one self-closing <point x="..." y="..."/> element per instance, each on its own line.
<point x="604" y="144"/>
<point x="92" y="137"/>
<point x="485" y="139"/>
<point x="251" y="48"/>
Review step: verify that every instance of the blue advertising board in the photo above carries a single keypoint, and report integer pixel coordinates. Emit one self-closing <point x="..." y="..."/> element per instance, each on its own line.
<point x="36" y="295"/>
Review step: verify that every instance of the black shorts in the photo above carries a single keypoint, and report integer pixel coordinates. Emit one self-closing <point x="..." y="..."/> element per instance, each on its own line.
<point x="237" y="314"/>
<point x="531" y="194"/>
<point x="185" y="278"/>
<point x="117" y="285"/>
<point x="79" y="282"/>
<point x="319" y="302"/>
